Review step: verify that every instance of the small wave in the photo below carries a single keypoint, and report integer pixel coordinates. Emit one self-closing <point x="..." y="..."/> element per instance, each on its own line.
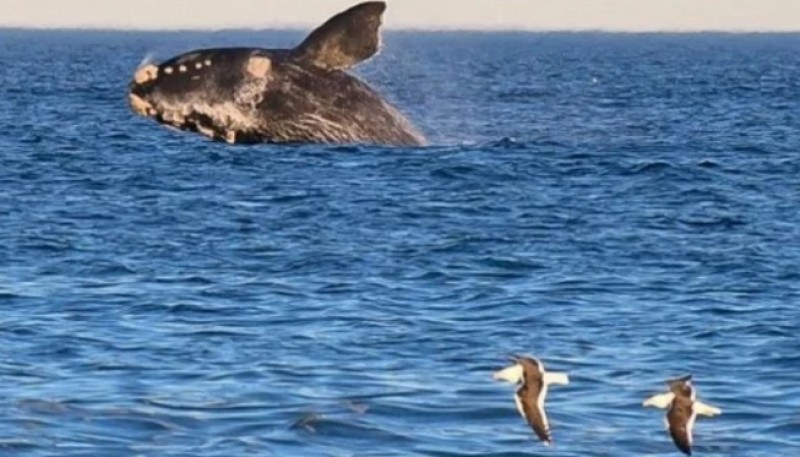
<point x="215" y="331"/>
<point x="709" y="164"/>
<point x="337" y="288"/>
<point x="191" y="279"/>
<point x="787" y="429"/>
<point x="125" y="423"/>
<point x="653" y="167"/>
<point x="454" y="172"/>
<point x="37" y="406"/>
<point x="725" y="222"/>
<point x="523" y="94"/>
<point x="431" y="276"/>
<point x="346" y="149"/>
<point x="751" y="149"/>
<point x="510" y="264"/>
<point x="19" y="445"/>
<point x="118" y="136"/>
<point x="49" y="245"/>
<point x="107" y="268"/>
<point x="508" y="143"/>
<point x="6" y="295"/>
<point x="331" y="426"/>
<point x="290" y="198"/>
<point x="191" y="309"/>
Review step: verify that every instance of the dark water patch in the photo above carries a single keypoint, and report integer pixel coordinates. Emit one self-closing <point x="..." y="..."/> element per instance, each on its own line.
<point x="508" y="143"/>
<point x="712" y="222"/>
<point x="709" y="164"/>
<point x="655" y="167"/>
<point x="187" y="280"/>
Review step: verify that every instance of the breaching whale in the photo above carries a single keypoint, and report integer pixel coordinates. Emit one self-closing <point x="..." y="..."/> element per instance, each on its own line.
<point x="305" y="94"/>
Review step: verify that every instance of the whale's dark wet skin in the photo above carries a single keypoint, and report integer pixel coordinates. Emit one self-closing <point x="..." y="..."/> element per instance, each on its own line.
<point x="250" y="95"/>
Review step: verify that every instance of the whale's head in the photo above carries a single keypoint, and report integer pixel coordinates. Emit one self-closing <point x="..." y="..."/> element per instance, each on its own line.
<point x="214" y="92"/>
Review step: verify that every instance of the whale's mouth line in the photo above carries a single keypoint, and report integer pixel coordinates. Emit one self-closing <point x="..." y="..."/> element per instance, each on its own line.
<point x="191" y="120"/>
<point x="140" y="106"/>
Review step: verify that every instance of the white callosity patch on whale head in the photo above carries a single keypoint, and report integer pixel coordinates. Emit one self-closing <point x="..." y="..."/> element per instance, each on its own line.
<point x="257" y="75"/>
<point x="145" y="74"/>
<point x="258" y="66"/>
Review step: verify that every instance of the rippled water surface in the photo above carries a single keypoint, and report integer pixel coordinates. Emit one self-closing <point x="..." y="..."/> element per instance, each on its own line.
<point x="623" y="206"/>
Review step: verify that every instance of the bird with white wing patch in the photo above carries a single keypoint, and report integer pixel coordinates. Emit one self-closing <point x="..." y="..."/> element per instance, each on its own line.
<point x="531" y="395"/>
<point x="682" y="410"/>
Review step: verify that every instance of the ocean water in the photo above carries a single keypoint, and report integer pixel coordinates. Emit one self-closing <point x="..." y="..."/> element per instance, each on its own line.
<point x="624" y="207"/>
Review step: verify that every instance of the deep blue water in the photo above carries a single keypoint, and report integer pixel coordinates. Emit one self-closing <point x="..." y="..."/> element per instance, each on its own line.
<point x="624" y="207"/>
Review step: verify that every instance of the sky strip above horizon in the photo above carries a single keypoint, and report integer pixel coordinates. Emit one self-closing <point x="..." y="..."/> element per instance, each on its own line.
<point x="607" y="15"/>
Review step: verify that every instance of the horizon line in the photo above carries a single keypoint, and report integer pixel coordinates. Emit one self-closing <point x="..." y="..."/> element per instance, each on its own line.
<point x="445" y="29"/>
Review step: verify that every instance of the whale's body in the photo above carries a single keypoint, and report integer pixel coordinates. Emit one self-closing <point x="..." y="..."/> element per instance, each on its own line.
<point x="305" y="94"/>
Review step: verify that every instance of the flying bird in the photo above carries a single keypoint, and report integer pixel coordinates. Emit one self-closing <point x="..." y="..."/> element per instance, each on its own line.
<point x="682" y="410"/>
<point x="530" y="396"/>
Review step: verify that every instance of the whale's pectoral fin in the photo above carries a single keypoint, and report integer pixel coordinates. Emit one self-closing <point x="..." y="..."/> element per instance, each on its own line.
<point x="346" y="39"/>
<point x="705" y="410"/>
<point x="660" y="400"/>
